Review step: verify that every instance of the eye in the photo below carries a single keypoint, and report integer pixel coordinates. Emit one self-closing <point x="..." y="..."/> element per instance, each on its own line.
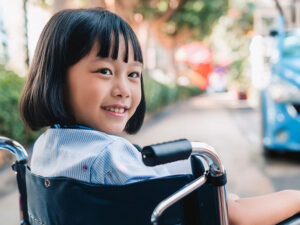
<point x="104" y="71"/>
<point x="134" y="75"/>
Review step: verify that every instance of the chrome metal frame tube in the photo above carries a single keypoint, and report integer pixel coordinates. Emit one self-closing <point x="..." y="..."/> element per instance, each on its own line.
<point x="213" y="161"/>
<point x="162" y="206"/>
<point x="211" y="157"/>
<point x="15" y="148"/>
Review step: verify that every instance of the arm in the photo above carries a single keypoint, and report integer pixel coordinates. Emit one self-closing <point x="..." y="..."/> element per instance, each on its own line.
<point x="263" y="210"/>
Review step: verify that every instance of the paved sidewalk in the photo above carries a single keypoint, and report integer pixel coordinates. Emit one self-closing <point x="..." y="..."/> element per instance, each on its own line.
<point x="9" y="198"/>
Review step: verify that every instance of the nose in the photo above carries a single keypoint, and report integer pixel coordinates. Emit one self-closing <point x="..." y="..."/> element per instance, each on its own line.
<point x="121" y="88"/>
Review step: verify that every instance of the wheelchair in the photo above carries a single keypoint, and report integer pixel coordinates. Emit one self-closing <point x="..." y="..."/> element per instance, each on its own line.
<point x="189" y="199"/>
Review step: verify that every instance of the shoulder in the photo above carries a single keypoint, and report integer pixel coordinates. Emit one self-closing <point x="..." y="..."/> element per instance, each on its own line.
<point x="83" y="139"/>
<point x="64" y="152"/>
<point x="76" y="145"/>
<point x="119" y="149"/>
<point x="74" y="136"/>
<point x="120" y="142"/>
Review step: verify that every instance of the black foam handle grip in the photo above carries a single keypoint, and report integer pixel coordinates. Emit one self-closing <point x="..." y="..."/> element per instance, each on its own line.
<point x="162" y="153"/>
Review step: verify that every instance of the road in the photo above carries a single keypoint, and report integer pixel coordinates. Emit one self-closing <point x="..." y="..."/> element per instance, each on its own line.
<point x="231" y="127"/>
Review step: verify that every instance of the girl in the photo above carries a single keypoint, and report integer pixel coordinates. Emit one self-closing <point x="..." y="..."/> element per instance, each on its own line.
<point x="86" y="82"/>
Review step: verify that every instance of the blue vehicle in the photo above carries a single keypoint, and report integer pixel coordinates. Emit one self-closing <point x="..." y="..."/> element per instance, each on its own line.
<point x="280" y="99"/>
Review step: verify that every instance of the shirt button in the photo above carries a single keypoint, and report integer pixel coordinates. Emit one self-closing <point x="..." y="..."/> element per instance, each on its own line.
<point x="85" y="167"/>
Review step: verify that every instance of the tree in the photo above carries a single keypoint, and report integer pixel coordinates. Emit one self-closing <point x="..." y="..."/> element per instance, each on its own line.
<point x="176" y="21"/>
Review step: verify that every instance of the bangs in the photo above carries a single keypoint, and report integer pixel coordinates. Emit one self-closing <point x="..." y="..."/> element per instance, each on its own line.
<point x="110" y="30"/>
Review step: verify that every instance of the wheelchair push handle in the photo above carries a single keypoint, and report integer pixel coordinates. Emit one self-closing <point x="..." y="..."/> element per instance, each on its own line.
<point x="15" y="148"/>
<point x="166" y="152"/>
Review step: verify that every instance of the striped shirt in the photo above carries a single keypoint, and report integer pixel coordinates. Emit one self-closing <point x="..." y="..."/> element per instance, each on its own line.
<point x="91" y="156"/>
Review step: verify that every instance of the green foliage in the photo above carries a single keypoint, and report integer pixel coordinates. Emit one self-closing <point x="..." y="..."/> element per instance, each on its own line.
<point x="236" y="29"/>
<point x="198" y="16"/>
<point x="237" y="67"/>
<point x="11" y="125"/>
<point x="159" y="95"/>
<point x="240" y="27"/>
<point x="244" y="23"/>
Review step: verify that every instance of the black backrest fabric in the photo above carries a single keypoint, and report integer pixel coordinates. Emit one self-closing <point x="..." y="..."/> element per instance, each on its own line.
<point x="66" y="201"/>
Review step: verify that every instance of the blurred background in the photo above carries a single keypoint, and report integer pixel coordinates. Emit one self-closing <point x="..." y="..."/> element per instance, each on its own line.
<point x="225" y="72"/>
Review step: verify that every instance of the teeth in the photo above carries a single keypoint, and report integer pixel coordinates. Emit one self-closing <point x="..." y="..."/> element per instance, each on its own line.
<point x="121" y="110"/>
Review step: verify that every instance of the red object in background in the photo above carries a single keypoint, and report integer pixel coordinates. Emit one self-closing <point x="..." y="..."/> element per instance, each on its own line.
<point x="199" y="57"/>
<point x="242" y="95"/>
<point x="198" y="80"/>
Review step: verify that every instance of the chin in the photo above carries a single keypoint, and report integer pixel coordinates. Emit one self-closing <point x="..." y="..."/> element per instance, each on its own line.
<point x="116" y="131"/>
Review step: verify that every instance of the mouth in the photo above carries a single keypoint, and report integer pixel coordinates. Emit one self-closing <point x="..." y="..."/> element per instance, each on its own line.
<point x="116" y="110"/>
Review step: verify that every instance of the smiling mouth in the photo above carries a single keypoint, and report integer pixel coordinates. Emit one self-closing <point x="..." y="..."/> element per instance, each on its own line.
<point x="115" y="109"/>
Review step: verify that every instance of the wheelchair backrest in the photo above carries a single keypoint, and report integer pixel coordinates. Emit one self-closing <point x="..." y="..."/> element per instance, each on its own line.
<point x="64" y="201"/>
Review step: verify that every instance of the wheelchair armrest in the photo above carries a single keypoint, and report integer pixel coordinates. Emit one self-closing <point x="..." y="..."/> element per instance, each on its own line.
<point x="294" y="220"/>
<point x="166" y="152"/>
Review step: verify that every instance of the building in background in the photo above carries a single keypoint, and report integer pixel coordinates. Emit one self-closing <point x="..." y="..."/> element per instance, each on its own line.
<point x="266" y="13"/>
<point x="262" y="47"/>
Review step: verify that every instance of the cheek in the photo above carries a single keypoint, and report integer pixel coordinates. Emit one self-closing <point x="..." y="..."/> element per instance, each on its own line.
<point x="91" y="96"/>
<point x="137" y="93"/>
<point x="85" y="95"/>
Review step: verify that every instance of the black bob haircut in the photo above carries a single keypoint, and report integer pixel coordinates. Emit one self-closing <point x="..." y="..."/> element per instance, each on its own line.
<point x="68" y="37"/>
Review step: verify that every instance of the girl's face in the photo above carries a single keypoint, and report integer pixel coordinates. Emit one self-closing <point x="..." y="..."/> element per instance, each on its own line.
<point x="104" y="93"/>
